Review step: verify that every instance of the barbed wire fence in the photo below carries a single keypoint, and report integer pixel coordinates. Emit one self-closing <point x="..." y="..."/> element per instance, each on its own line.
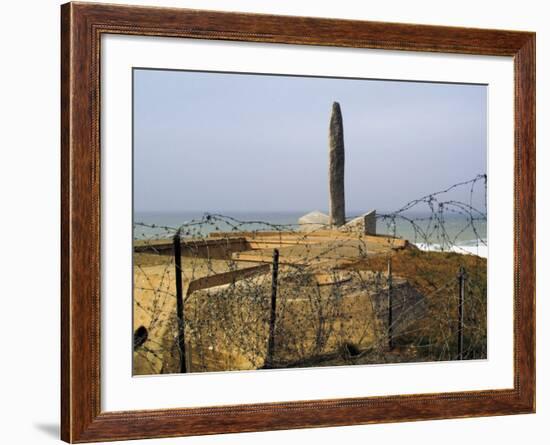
<point x="217" y="293"/>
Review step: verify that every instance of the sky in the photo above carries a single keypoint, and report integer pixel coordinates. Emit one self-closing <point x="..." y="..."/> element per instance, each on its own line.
<point x="222" y="142"/>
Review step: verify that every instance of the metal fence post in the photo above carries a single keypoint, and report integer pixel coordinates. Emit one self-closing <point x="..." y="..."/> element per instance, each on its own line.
<point x="272" y="318"/>
<point x="460" y="330"/>
<point x="390" y="305"/>
<point x="179" y="301"/>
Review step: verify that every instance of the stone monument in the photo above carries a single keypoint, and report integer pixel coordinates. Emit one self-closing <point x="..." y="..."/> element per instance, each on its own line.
<point x="364" y="224"/>
<point x="336" y="153"/>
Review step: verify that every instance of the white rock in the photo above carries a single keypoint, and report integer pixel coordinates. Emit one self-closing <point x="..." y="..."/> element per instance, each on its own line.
<point x="364" y="224"/>
<point x="314" y="221"/>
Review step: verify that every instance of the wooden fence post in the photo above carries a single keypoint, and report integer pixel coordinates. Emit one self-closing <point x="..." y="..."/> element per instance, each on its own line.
<point x="179" y="301"/>
<point x="460" y="330"/>
<point x="390" y="305"/>
<point x="273" y="313"/>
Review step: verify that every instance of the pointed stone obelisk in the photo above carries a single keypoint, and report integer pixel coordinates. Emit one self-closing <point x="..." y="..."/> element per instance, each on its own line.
<point x="336" y="167"/>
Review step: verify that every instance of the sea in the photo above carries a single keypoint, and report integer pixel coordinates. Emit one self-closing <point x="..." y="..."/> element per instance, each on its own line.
<point x="462" y="233"/>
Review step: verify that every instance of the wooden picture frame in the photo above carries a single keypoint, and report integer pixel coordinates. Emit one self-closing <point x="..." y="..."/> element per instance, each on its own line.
<point x="82" y="26"/>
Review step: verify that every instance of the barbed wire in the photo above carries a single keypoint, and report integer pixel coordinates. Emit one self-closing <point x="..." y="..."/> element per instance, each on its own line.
<point x="334" y="293"/>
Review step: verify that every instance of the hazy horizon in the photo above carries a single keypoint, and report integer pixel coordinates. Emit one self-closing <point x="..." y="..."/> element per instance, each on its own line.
<point x="211" y="142"/>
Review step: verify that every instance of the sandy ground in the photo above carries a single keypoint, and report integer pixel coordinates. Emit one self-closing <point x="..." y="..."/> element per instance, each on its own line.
<point x="227" y="321"/>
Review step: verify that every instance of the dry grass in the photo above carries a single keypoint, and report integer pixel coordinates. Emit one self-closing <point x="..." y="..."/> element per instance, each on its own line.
<point x="227" y="326"/>
<point x="435" y="274"/>
<point x="427" y="271"/>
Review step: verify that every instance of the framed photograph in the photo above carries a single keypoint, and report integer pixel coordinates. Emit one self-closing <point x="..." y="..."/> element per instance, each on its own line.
<point x="275" y="222"/>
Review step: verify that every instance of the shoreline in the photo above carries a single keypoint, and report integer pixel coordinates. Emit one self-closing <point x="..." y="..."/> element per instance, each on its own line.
<point x="480" y="251"/>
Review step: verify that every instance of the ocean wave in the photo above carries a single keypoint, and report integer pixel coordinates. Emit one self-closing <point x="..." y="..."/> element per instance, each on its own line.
<point x="466" y="248"/>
